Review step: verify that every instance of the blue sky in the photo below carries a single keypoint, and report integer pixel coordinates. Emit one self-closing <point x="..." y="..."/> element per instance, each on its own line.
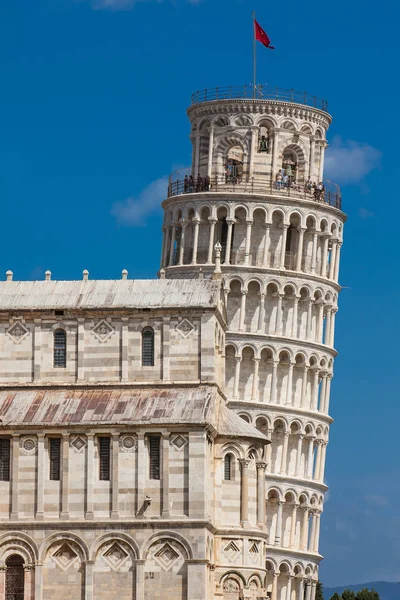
<point x="92" y="119"/>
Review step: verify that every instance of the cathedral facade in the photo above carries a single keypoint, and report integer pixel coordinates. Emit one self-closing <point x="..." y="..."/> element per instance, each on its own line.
<point x="166" y="439"/>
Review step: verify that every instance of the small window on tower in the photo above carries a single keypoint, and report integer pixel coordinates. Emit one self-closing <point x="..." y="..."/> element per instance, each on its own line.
<point x="154" y="456"/>
<point x="104" y="456"/>
<point x="228" y="467"/>
<point x="60" y="348"/>
<point x="55" y="458"/>
<point x="4" y="459"/>
<point x="148" y="347"/>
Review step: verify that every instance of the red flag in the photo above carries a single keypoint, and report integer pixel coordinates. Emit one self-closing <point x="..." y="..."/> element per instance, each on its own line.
<point x="261" y="36"/>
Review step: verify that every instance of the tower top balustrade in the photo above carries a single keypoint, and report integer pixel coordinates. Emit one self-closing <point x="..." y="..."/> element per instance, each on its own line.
<point x="260" y="92"/>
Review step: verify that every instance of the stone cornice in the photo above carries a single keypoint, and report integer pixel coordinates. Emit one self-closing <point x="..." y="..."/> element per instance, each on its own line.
<point x="257" y="198"/>
<point x="285" y="341"/>
<point x="277" y="408"/>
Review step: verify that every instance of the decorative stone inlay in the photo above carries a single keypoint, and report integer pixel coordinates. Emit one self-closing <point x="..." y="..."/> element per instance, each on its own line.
<point x="27" y="444"/>
<point x="231" y="585"/>
<point x="232" y="550"/>
<point x="103" y="331"/>
<point x="78" y="443"/>
<point x="127" y="443"/>
<point x="254" y="551"/>
<point x="179" y="441"/>
<point x="115" y="556"/>
<point x="65" y="557"/>
<point x="166" y="556"/>
<point x="185" y="328"/>
<point x="17" y="331"/>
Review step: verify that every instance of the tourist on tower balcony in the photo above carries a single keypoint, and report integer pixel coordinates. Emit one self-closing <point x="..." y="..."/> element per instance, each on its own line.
<point x="207" y="183"/>
<point x="191" y="183"/>
<point x="308" y="186"/>
<point x="186" y="184"/>
<point x="199" y="185"/>
<point x="278" y="180"/>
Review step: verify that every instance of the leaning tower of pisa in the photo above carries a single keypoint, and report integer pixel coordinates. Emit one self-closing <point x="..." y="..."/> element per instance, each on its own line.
<point x="254" y="205"/>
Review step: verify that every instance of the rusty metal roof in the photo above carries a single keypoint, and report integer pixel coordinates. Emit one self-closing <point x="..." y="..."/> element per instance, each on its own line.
<point x="140" y="293"/>
<point x="201" y="405"/>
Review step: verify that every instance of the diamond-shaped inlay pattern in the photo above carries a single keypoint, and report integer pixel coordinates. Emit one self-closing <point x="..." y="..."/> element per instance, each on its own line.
<point x="166" y="556"/>
<point x="103" y="331"/>
<point x="17" y="332"/>
<point x="115" y="556"/>
<point x="78" y="443"/>
<point x="254" y="551"/>
<point x="185" y="328"/>
<point x="65" y="557"/>
<point x="232" y="550"/>
<point x="179" y="441"/>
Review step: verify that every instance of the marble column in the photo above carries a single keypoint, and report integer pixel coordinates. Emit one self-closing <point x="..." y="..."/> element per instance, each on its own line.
<point x="300" y="244"/>
<point x="38" y="581"/>
<point x="89" y="476"/>
<point x="309" y="319"/>
<point x="267" y="242"/>
<point x="289" y="390"/>
<point x="242" y="310"/>
<point x="227" y="257"/>
<point x="304" y="387"/>
<point x="295" y="316"/>
<point x="325" y="254"/>
<point x="314" y="252"/>
<point x="171" y="249"/>
<point x="197" y="154"/>
<point x="89" y="582"/>
<point x="40" y="478"/>
<point x="333" y="259"/>
<point x="323" y="459"/>
<point x="28" y="581"/>
<point x="261" y="466"/>
<point x="328" y="394"/>
<point x="278" y="531"/>
<point x="244" y="492"/>
<point x="15" y="478"/>
<point x="195" y="240"/>
<point x="65" y="477"/>
<point x="318" y="459"/>
<point x="301" y="589"/>
<point x="210" y="150"/>
<point x="261" y="315"/>
<point x="311" y="166"/>
<point x="293" y="523"/>
<point x="314" y="397"/>
<point x="212" y="222"/>
<point x="165" y="514"/>
<point x="278" y="319"/>
<point x="308" y="591"/>
<point x="337" y="262"/>
<point x="283" y="247"/>
<point x="289" y="587"/>
<point x="115" y="477"/>
<point x="249" y="225"/>
<point x="283" y="468"/>
<point x="310" y="457"/>
<point x="304" y="529"/>
<point x="274" y="381"/>
<point x="237" y="377"/>
<point x="182" y="244"/>
<point x="299" y="454"/>
<point x="254" y="390"/>
<point x="140" y="564"/>
<point x="254" y="136"/>
<point x="274" y="594"/>
<point x="328" y="325"/>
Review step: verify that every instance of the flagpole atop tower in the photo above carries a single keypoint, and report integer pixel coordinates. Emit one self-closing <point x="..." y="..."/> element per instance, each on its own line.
<point x="254" y="56"/>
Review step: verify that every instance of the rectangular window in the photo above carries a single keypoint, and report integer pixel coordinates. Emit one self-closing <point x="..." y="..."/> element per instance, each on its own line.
<point x="55" y="458"/>
<point x="4" y="459"/>
<point x="154" y="456"/>
<point x="104" y="454"/>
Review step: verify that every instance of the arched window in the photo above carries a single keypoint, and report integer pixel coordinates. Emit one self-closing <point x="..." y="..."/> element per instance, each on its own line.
<point x="60" y="348"/>
<point x="148" y="347"/>
<point x="14" y="577"/>
<point x="228" y="471"/>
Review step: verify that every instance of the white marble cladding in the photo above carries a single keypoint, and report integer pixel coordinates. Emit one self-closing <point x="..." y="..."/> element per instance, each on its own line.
<point x="108" y="348"/>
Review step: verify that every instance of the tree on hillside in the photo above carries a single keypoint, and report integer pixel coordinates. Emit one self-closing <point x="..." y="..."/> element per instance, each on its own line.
<point x="348" y="595"/>
<point x="365" y="594"/>
<point x="319" y="593"/>
<point x="336" y="597"/>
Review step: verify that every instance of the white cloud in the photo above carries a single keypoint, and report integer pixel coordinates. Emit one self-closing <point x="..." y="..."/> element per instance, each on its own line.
<point x="376" y="500"/>
<point x="124" y="4"/>
<point x="349" y="162"/>
<point x="132" y="211"/>
<point x="365" y="213"/>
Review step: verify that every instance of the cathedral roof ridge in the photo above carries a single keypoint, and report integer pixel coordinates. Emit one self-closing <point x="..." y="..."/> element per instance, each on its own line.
<point x="122" y="293"/>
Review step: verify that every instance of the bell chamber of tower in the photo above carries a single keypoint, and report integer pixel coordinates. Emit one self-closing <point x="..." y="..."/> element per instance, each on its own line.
<point x="255" y="210"/>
